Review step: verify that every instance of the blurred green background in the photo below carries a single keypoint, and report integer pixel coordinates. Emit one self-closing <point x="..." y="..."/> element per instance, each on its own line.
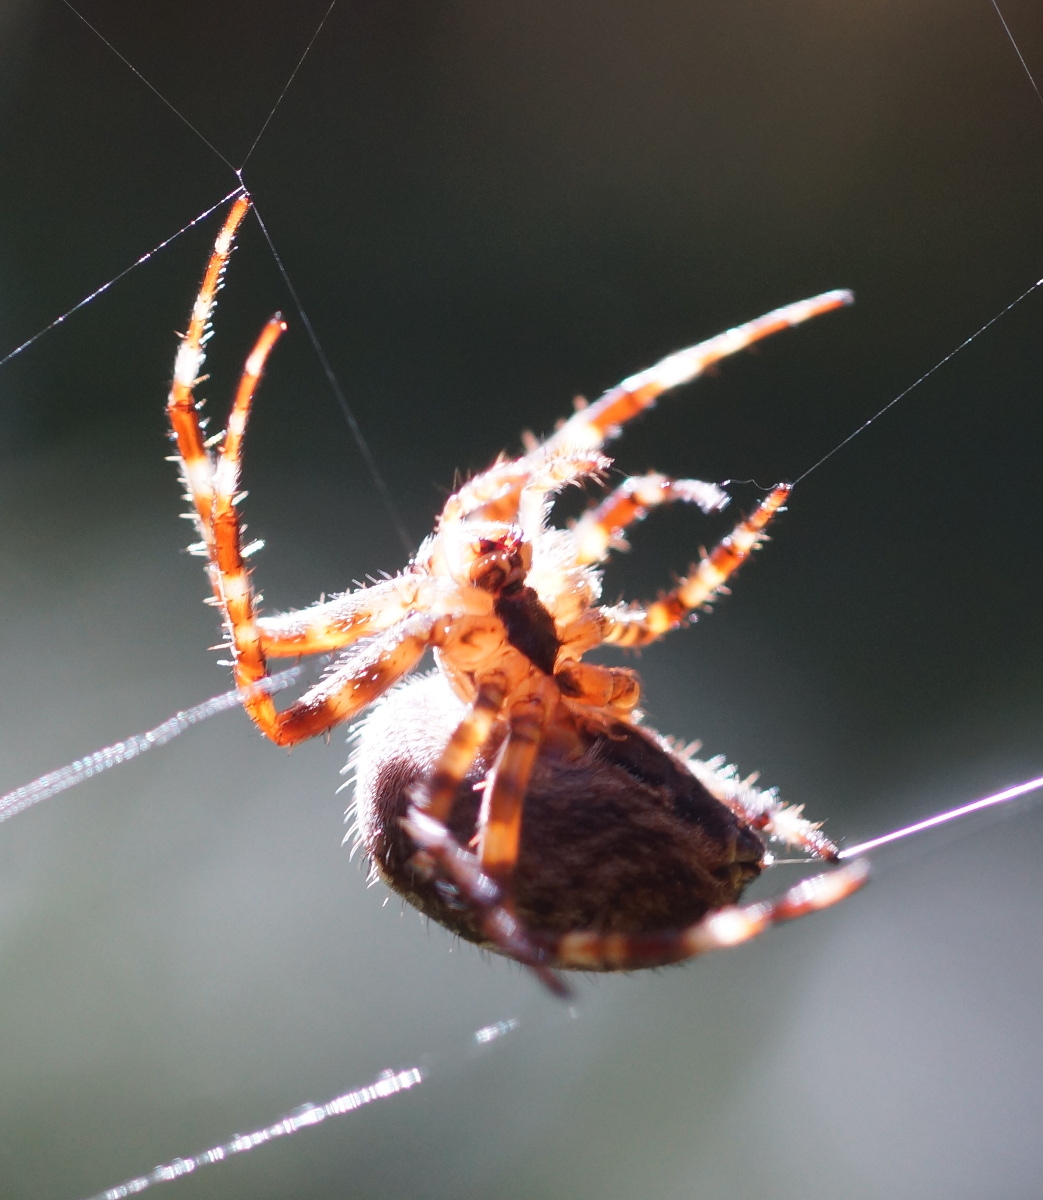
<point x="486" y="209"/>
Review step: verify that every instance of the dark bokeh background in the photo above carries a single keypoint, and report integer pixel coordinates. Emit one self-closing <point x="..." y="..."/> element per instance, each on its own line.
<point x="487" y="208"/>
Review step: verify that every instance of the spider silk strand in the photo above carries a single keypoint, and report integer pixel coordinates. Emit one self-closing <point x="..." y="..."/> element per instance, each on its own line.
<point x="286" y="86"/>
<point x="953" y="814"/>
<point x="151" y="87"/>
<point x="379" y="482"/>
<point x="386" y="1086"/>
<point x="120" y="752"/>
<point x="1017" y="51"/>
<point x="116" y="278"/>
<point x="916" y="382"/>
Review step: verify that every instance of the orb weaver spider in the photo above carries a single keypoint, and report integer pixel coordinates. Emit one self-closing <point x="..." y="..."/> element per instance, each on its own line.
<point x="513" y="794"/>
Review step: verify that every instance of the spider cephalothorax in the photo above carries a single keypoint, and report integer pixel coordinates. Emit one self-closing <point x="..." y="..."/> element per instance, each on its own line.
<point x="512" y="794"/>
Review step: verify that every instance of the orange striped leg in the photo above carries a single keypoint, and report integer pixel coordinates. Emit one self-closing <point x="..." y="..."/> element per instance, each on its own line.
<point x="716" y="931"/>
<point x="595" y="424"/>
<point x="500" y="817"/>
<point x="334" y="624"/>
<point x="439" y="853"/>
<point x="358" y="678"/>
<point x="639" y="627"/>
<point x="601" y="529"/>
<point x="349" y="687"/>
<point x="327" y="627"/>
<point x="212" y="489"/>
<point x="463" y="748"/>
<point x="761" y="808"/>
<point x="786" y="823"/>
<point x="196" y="463"/>
<point x="496" y="494"/>
<point x="449" y="859"/>
<point x="228" y="572"/>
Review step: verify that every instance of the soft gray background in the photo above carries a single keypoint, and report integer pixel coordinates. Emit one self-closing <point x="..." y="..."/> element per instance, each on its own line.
<point x="488" y="208"/>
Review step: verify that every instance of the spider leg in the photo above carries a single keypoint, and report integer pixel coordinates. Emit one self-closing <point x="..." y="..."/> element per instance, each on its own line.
<point x="334" y="624"/>
<point x="195" y="458"/>
<point x="592" y="426"/>
<point x="762" y="809"/>
<point x="499" y="821"/>
<point x="718" y="930"/>
<point x="641" y="626"/>
<point x="212" y="489"/>
<point x="787" y="823"/>
<point x="601" y="528"/>
<point x="323" y="627"/>
<point x="347" y="689"/>
<point x="496" y="493"/>
<point x="499" y="925"/>
<point x="363" y="674"/>
<point x="439" y="852"/>
<point x="463" y="748"/>
<point x="344" y="621"/>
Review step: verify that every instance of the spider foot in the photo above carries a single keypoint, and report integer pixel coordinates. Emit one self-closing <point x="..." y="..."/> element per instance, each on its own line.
<point x="761" y="807"/>
<point x="718" y="930"/>
<point x="789" y="826"/>
<point x="440" y="854"/>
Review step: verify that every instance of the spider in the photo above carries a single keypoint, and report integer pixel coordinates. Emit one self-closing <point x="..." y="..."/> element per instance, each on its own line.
<point x="513" y="794"/>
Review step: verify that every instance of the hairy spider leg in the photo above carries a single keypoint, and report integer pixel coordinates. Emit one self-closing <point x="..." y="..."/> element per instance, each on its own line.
<point x="761" y="810"/>
<point x="718" y="930"/>
<point x="528" y="715"/>
<point x="463" y="747"/>
<point x="646" y="624"/>
<point x="360" y="676"/>
<point x="600" y="529"/>
<point x="212" y="488"/>
<point x="329" y="625"/>
<point x="495" y="494"/>
<point x="500" y="816"/>
<point x="787" y="823"/>
<point x="614" y="688"/>
<point x="591" y="426"/>
<point x="499" y="925"/>
<point x="565" y="456"/>
<point x="350" y="685"/>
<point x="336" y="623"/>
<point x="195" y="458"/>
<point x="426" y="818"/>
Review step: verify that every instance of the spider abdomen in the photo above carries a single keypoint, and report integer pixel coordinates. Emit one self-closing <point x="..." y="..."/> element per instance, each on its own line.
<point x="618" y="835"/>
